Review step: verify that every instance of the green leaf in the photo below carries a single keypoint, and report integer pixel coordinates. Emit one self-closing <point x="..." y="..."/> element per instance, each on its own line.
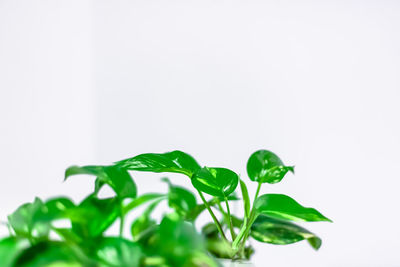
<point x="117" y="178"/>
<point x="284" y="207"/>
<point x="10" y="248"/>
<point x="180" y="199"/>
<point x="266" y="167"/>
<point x="175" y="161"/>
<point x="218" y="182"/>
<point x="142" y="200"/>
<point x="24" y="223"/>
<point x="144" y="222"/>
<point x="269" y="230"/>
<point x="246" y="198"/>
<point x="178" y="240"/>
<point x="55" y="208"/>
<point x="48" y="254"/>
<point x="93" y="216"/>
<point x="114" y="251"/>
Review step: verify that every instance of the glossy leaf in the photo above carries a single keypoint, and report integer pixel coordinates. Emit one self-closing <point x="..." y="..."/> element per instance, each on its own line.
<point x="284" y="207"/>
<point x="175" y="161"/>
<point x="23" y="220"/>
<point x="180" y="199"/>
<point x="117" y="178"/>
<point x="116" y="252"/>
<point x="245" y="197"/>
<point x="93" y="216"/>
<point x="10" y="248"/>
<point x="219" y="182"/>
<point x="269" y="230"/>
<point x="266" y="167"/>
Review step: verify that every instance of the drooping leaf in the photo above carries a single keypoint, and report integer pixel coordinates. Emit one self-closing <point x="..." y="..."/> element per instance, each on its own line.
<point x="245" y="197"/>
<point x="10" y="248"/>
<point x="117" y="178"/>
<point x="286" y="208"/>
<point x="116" y="252"/>
<point x="265" y="167"/>
<point x="269" y="230"/>
<point x="49" y="253"/>
<point x="24" y="223"/>
<point x="144" y="222"/>
<point x="218" y="182"/>
<point x="175" y="161"/>
<point x="180" y="199"/>
<point x="93" y="216"/>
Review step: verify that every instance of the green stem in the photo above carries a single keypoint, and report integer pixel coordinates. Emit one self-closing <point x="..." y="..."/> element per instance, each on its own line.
<point x="213" y="216"/>
<point x="122" y="219"/>
<point x="251" y="218"/>
<point x="233" y="235"/>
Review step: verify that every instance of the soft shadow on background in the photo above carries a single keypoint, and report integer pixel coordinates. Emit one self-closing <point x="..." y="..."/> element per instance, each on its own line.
<point x="317" y="82"/>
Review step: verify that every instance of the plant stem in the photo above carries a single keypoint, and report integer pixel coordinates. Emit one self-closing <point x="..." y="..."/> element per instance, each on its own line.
<point x="233" y="235"/>
<point x="122" y="221"/>
<point x="251" y="218"/>
<point x="213" y="216"/>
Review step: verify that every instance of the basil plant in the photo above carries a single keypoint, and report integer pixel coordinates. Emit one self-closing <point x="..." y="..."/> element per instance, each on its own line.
<point x="37" y="239"/>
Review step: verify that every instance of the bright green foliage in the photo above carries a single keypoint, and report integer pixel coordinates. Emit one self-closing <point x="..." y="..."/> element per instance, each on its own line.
<point x="269" y="230"/>
<point x="23" y="221"/>
<point x="169" y="241"/>
<point x="266" y="167"/>
<point x="10" y="248"/>
<point x="246" y="198"/>
<point x="117" y="252"/>
<point x="284" y="207"/>
<point x="219" y="182"/>
<point x="117" y="178"/>
<point x="175" y="161"/>
<point x="180" y="199"/>
<point x="93" y="216"/>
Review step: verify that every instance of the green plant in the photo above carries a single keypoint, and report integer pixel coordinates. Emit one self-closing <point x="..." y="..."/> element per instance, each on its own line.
<point x="36" y="240"/>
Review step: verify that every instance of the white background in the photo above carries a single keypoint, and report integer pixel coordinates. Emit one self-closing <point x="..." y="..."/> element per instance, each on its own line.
<point x="317" y="82"/>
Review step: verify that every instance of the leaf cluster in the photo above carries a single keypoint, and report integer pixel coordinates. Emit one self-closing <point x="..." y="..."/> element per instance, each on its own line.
<point x="36" y="239"/>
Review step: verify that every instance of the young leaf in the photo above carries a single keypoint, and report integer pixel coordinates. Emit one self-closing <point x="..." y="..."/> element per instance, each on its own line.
<point x="93" y="216"/>
<point x="180" y="199"/>
<point x="24" y="222"/>
<point x="286" y="208"/>
<point x="117" y="178"/>
<point x="269" y="230"/>
<point x="219" y="182"/>
<point x="115" y="252"/>
<point x="246" y="198"/>
<point x="266" y="167"/>
<point x="175" y="161"/>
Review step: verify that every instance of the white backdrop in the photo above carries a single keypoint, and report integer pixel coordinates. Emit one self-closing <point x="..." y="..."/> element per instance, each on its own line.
<point x="314" y="81"/>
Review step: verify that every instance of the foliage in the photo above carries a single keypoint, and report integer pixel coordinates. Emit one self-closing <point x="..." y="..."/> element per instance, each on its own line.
<point x="172" y="240"/>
